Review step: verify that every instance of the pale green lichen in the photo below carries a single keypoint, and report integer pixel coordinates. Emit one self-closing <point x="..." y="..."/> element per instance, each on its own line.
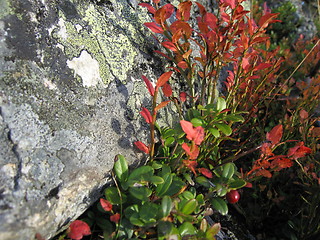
<point x="5" y="9"/>
<point x="110" y="38"/>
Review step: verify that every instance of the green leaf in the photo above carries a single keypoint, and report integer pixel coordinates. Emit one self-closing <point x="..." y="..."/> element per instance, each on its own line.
<point x="221" y="190"/>
<point x="196" y="122"/>
<point x="203" y="181"/>
<point x="141" y="193"/>
<point x="156" y="180"/>
<point x="234" y="118"/>
<point x="156" y="165"/>
<point x="224" y="128"/>
<point x="165" y="170"/>
<point x="105" y="224"/>
<point x="166" y="206"/>
<point x="175" y="187"/>
<point x="213" y="231"/>
<point x="135" y="220"/>
<point x="228" y="170"/>
<point x="169" y="141"/>
<point x="221" y="104"/>
<point x="140" y="174"/>
<point x="239" y="183"/>
<point x="214" y="132"/>
<point x="121" y="168"/>
<point x="200" y="199"/>
<point x="106" y="235"/>
<point x="187" y="195"/>
<point x="188" y="178"/>
<point x="168" y="133"/>
<point x="112" y="195"/>
<point x="220" y="205"/>
<point x="189" y="207"/>
<point x="164" y="228"/>
<point x="129" y="211"/>
<point x="148" y="211"/>
<point x="187" y="229"/>
<point x="163" y="188"/>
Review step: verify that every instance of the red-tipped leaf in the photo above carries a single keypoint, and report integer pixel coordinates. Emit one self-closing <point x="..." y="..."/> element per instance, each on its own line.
<point x="146" y="115"/>
<point x="149" y="85"/>
<point x="169" y="45"/>
<point x="141" y="146"/>
<point x="106" y="205"/>
<point x="205" y="172"/>
<point x="78" y="229"/>
<point x="148" y="6"/>
<point x="161" y="105"/>
<point x="163" y="78"/>
<point x="167" y="90"/>
<point x="275" y="135"/>
<point x="154" y="27"/>
<point x="115" y="218"/>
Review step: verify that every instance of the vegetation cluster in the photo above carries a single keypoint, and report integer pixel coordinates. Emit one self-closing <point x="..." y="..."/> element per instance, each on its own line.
<point x="247" y="139"/>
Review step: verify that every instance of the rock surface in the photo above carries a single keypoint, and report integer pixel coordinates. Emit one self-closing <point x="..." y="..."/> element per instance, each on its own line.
<point x="70" y="95"/>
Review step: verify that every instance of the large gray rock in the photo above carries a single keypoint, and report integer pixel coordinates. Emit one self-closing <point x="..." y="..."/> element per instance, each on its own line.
<point x="70" y="95"/>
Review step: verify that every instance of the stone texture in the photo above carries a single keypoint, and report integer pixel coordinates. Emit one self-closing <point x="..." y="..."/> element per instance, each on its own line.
<point x="70" y="95"/>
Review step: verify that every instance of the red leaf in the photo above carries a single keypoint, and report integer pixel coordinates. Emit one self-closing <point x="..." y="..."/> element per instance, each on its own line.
<point x="180" y="26"/>
<point x="164" y="55"/>
<point x="275" y="134"/>
<point x="163" y="13"/>
<point x="211" y="20"/>
<point x="169" y="45"/>
<point x="183" y="12"/>
<point x="161" y="105"/>
<point x="148" y="6"/>
<point x="187" y="54"/>
<point x="299" y="151"/>
<point x="149" y="85"/>
<point x="183" y="65"/>
<point x="303" y="114"/>
<point x="163" y="78"/>
<point x="281" y="163"/>
<point x="202" y="9"/>
<point x="266" y="150"/>
<point x="224" y="16"/>
<point x="115" y="217"/>
<point x="106" y="205"/>
<point x="167" y="90"/>
<point x="206" y="172"/>
<point x="141" y="146"/>
<point x="183" y="97"/>
<point x="245" y="63"/>
<point x="230" y="3"/>
<point x="262" y="66"/>
<point x="259" y="40"/>
<point x="146" y="115"/>
<point x="169" y="10"/>
<point x="191" y="165"/>
<point x="264" y="173"/>
<point x="268" y="18"/>
<point x="156" y="1"/>
<point x="193" y="134"/>
<point x="78" y="229"/>
<point x="192" y="154"/>
<point x="154" y="27"/>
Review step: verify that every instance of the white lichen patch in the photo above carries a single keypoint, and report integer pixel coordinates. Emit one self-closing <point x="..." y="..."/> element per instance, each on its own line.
<point x="63" y="30"/>
<point x="87" y="68"/>
<point x="47" y="83"/>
